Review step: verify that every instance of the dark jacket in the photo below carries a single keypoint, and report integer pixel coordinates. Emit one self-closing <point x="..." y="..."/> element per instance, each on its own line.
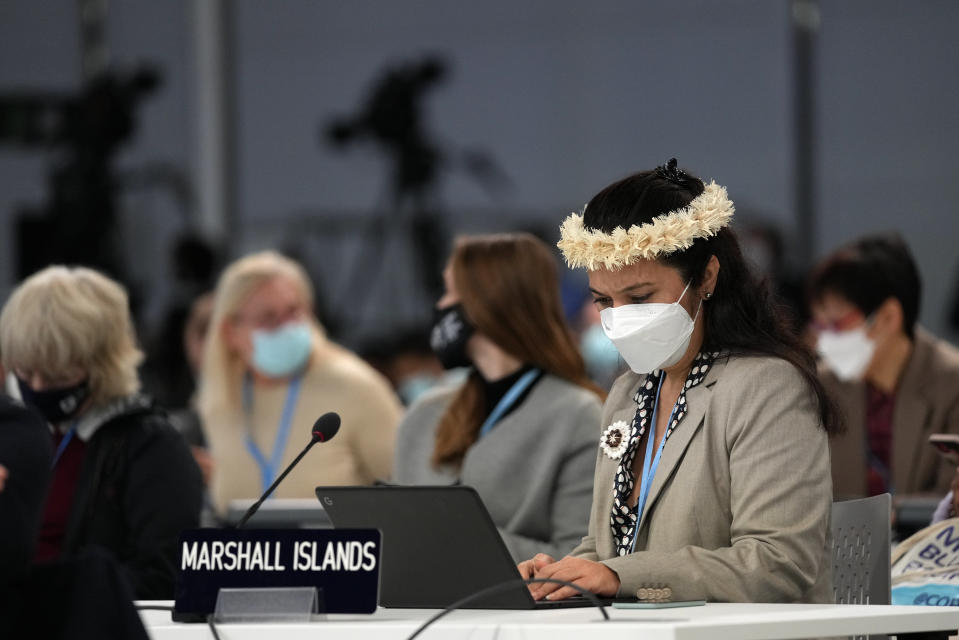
<point x="139" y="487"/>
<point x="26" y="452"/>
<point x="85" y="597"/>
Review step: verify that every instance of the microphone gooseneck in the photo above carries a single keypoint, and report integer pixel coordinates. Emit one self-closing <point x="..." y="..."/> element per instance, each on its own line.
<point x="325" y="427"/>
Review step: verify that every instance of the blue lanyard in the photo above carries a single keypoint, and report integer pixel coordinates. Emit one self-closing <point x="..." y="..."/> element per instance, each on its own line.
<point x="649" y="468"/>
<point x="268" y="468"/>
<point x="63" y="445"/>
<point x="518" y="388"/>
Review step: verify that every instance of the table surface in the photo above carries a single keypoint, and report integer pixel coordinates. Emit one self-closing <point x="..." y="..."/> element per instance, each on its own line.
<point x="713" y="621"/>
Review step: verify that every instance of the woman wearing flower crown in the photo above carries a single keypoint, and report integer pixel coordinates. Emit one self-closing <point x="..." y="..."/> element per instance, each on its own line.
<point x="712" y="477"/>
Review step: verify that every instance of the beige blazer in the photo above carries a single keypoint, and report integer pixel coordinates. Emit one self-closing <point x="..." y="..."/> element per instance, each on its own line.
<point x="739" y="508"/>
<point x="927" y="402"/>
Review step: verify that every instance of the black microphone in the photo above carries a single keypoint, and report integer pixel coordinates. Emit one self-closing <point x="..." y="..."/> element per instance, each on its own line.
<point x="324" y="428"/>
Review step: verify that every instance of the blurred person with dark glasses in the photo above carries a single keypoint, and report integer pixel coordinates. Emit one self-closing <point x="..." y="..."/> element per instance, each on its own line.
<point x="893" y="382"/>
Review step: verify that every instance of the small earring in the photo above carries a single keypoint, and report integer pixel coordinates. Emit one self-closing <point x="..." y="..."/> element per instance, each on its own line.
<point x="708" y="295"/>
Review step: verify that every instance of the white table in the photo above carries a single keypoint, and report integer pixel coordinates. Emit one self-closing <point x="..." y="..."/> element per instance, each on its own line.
<point x="710" y="622"/>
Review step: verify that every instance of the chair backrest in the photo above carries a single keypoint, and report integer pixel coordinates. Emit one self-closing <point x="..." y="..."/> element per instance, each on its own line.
<point x="860" y="550"/>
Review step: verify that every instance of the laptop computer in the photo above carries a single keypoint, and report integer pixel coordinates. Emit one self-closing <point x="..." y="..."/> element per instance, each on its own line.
<point x="439" y="545"/>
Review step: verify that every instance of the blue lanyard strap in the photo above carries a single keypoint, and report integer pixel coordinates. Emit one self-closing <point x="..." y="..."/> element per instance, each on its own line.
<point x="507" y="401"/>
<point x="269" y="468"/>
<point x="63" y="445"/>
<point x="650" y="463"/>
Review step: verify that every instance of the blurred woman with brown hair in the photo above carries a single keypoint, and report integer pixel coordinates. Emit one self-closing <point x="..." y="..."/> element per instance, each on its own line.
<point x="521" y="428"/>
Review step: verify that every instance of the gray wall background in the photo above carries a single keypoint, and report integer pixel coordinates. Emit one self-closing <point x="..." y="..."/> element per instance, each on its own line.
<point x="566" y="95"/>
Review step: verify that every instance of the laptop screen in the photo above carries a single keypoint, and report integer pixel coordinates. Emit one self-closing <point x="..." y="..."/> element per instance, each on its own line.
<point x="439" y="544"/>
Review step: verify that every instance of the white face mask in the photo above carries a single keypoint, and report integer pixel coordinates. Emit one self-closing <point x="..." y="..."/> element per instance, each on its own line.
<point x="847" y="353"/>
<point x="649" y="336"/>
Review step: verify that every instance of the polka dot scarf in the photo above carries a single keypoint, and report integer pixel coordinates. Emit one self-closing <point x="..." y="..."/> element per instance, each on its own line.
<point x="623" y="519"/>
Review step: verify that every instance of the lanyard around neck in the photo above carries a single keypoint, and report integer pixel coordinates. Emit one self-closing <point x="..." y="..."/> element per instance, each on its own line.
<point x="63" y="444"/>
<point x="507" y="401"/>
<point x="269" y="467"/>
<point x="650" y="463"/>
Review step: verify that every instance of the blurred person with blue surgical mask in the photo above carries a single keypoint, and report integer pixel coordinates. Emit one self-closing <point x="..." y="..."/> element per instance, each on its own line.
<point x="268" y="373"/>
<point x="893" y="381"/>
<point x="603" y="362"/>
<point x="404" y="356"/>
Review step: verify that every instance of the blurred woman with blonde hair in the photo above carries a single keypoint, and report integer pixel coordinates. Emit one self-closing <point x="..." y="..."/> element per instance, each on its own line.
<point x="268" y="373"/>
<point x="122" y="478"/>
<point x="521" y="429"/>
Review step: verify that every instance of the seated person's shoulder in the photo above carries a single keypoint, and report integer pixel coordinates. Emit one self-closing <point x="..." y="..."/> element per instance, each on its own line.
<point x="24" y="437"/>
<point x="338" y="366"/>
<point x="572" y="396"/>
<point x="13" y="415"/>
<point x="572" y="411"/>
<point x="156" y="424"/>
<point x="143" y="429"/>
<point x="943" y="356"/>
<point x="759" y="373"/>
<point x="939" y="371"/>
<point x="436" y="398"/>
<point x="624" y="387"/>
<point x="765" y="394"/>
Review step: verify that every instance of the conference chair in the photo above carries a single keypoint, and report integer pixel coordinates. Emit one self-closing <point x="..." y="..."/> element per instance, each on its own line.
<point x="860" y="550"/>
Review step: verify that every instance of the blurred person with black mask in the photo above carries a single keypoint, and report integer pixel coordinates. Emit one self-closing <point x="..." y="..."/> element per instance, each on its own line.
<point x="521" y="428"/>
<point x="893" y="381"/>
<point x="122" y="478"/>
<point x="89" y="593"/>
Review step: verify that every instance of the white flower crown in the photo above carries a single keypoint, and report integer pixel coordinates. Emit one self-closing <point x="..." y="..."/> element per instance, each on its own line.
<point x="703" y="217"/>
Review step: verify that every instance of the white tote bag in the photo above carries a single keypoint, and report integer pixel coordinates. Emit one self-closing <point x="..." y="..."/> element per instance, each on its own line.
<point x="925" y="566"/>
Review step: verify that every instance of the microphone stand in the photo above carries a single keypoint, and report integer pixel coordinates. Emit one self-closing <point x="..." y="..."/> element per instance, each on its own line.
<point x="256" y="505"/>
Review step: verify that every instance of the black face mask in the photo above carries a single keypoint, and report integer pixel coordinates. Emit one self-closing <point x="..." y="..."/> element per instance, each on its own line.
<point x="55" y="405"/>
<point x="451" y="331"/>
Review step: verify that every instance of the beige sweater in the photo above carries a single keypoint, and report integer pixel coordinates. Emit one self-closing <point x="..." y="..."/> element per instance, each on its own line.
<point x="361" y="452"/>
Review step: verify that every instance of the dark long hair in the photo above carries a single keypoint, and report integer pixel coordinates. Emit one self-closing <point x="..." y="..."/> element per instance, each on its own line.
<point x="509" y="289"/>
<point x="742" y="317"/>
